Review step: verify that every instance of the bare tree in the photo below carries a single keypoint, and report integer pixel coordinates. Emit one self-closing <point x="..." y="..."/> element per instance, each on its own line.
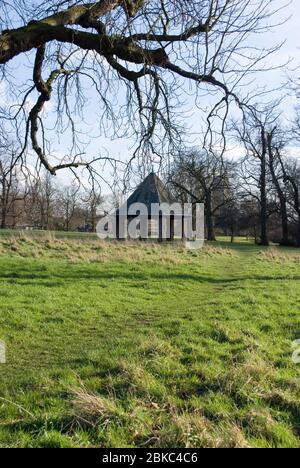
<point x="67" y="203"/>
<point x="263" y="168"/>
<point x="205" y="177"/>
<point x="143" y="50"/>
<point x="32" y="206"/>
<point x="228" y="218"/>
<point x="47" y="199"/>
<point x="291" y="170"/>
<point x="40" y="201"/>
<point x="252" y="133"/>
<point x="291" y="174"/>
<point x="249" y="209"/>
<point x="275" y="145"/>
<point x="91" y="203"/>
<point x="11" y="191"/>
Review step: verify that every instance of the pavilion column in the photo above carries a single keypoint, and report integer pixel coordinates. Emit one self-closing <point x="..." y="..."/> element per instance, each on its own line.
<point x="172" y="227"/>
<point x="160" y="227"/>
<point x="117" y="226"/>
<point x="183" y="228"/>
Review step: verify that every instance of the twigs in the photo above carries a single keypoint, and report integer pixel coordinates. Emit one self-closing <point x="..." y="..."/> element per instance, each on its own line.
<point x="138" y="55"/>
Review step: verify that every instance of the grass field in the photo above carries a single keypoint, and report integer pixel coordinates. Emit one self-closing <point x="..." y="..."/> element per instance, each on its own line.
<point x="128" y="345"/>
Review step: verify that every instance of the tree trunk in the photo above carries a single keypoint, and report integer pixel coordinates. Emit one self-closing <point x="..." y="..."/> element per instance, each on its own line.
<point x="210" y="228"/>
<point x="285" y="228"/>
<point x="263" y="194"/>
<point x="296" y="201"/>
<point x="3" y="207"/>
<point x="47" y="215"/>
<point x="3" y="219"/>
<point x="209" y="219"/>
<point x="232" y="234"/>
<point x="255" y="234"/>
<point x="93" y="216"/>
<point x="298" y="231"/>
<point x="283" y="214"/>
<point x="280" y="193"/>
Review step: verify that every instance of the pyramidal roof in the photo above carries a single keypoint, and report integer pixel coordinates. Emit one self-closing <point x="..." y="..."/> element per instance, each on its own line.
<point x="151" y="190"/>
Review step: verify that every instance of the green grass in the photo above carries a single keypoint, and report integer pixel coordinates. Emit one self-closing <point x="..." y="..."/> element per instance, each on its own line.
<point x="130" y="345"/>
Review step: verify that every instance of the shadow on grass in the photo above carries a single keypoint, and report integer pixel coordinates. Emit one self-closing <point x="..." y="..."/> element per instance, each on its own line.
<point x="59" y="277"/>
<point x="55" y="276"/>
<point x="281" y="404"/>
<point x="35" y="426"/>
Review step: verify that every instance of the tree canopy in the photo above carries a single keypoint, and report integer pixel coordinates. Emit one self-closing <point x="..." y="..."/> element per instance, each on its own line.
<point x="140" y="56"/>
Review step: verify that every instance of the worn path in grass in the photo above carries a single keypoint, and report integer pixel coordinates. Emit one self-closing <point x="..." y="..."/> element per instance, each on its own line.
<point x="128" y="345"/>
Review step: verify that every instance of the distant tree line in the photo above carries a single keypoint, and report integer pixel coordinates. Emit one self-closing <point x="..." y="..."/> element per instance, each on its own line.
<point x="256" y="195"/>
<point x="28" y="201"/>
